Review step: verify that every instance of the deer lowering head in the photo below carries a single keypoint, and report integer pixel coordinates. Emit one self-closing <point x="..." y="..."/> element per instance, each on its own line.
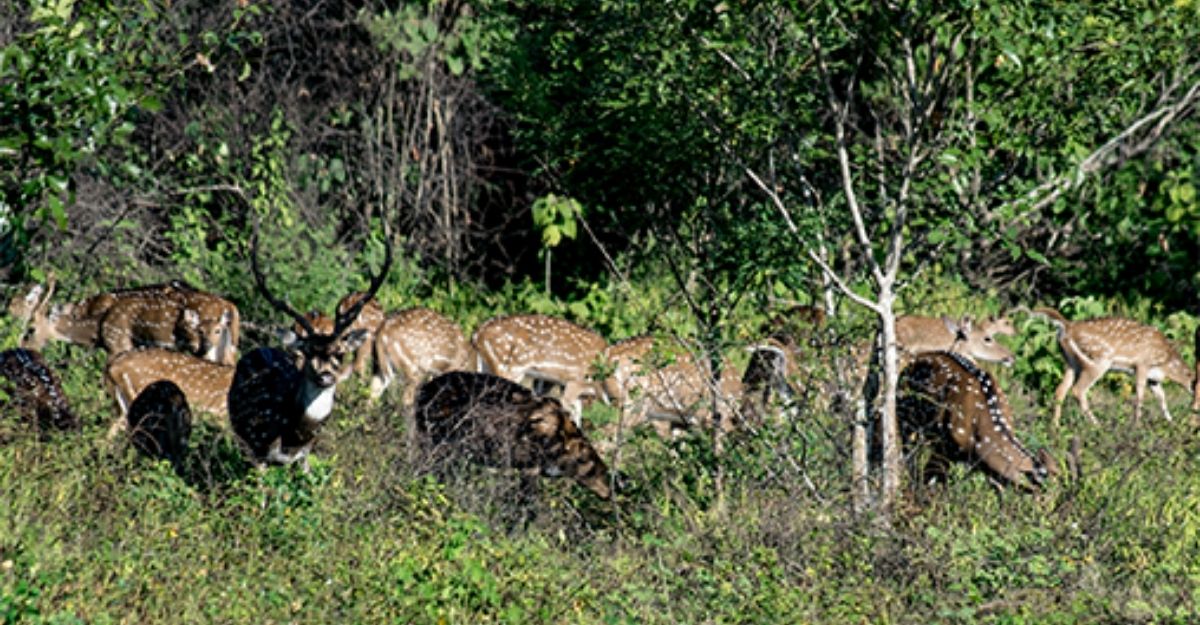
<point x="279" y="402"/>
<point x="541" y="347"/>
<point x="668" y="388"/>
<point x="1092" y="347"/>
<point x="160" y="423"/>
<point x="491" y="421"/>
<point x="414" y="345"/>
<point x="917" y="335"/>
<point x="33" y="392"/>
<point x="172" y="315"/>
<point x="772" y="372"/>
<point x="945" y="398"/>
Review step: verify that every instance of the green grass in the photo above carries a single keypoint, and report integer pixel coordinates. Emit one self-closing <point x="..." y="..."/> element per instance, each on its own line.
<point x="91" y="533"/>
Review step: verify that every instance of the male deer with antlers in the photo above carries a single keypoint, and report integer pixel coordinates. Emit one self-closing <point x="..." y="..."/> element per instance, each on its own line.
<point x="542" y="348"/>
<point x="1092" y="347"/>
<point x="279" y="403"/>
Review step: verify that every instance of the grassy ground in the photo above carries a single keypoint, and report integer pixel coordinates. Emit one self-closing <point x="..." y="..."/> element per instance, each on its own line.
<point x="91" y="534"/>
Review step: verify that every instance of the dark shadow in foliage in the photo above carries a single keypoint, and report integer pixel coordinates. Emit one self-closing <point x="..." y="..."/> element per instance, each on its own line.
<point x="32" y="392"/>
<point x="478" y="419"/>
<point x="160" y="423"/>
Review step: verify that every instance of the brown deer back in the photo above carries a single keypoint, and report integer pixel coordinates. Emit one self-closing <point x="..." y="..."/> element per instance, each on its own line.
<point x="205" y="384"/>
<point x="945" y="397"/>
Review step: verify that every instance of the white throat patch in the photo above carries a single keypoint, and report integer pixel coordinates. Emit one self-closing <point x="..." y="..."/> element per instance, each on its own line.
<point x="317" y="401"/>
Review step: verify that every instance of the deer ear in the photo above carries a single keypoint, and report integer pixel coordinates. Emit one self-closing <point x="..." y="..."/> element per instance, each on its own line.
<point x="289" y="339"/>
<point x="354" y="339"/>
<point x="191" y="317"/>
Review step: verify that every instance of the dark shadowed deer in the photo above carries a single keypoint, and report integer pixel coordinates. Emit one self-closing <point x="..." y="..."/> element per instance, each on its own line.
<point x="160" y="423"/>
<point x="945" y="399"/>
<point x="279" y="402"/>
<point x="31" y="391"/>
<point x="1092" y="347"/>
<point x="490" y="421"/>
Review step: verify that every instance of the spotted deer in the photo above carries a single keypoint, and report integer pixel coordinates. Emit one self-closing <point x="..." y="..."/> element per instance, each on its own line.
<point x="160" y="423"/>
<point x="487" y="420"/>
<point x="414" y="345"/>
<point x="278" y="402"/>
<point x="32" y="391"/>
<point x="944" y="398"/>
<point x="1092" y="347"/>
<point x="170" y="315"/>
<point x="917" y="335"/>
<point x="666" y="386"/>
<point x="541" y="348"/>
<point x="205" y="384"/>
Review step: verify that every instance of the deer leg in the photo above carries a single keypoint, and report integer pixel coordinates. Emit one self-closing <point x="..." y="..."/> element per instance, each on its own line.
<point x="1086" y="378"/>
<point x="572" y="400"/>
<point x="1060" y="394"/>
<point x="1157" y="388"/>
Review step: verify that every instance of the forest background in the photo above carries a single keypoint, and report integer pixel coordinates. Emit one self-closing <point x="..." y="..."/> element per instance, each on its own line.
<point x="690" y="168"/>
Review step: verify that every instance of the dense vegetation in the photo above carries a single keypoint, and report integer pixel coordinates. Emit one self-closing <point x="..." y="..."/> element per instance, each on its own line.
<point x="668" y="167"/>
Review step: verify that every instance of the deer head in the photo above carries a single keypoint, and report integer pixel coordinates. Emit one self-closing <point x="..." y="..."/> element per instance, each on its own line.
<point x="277" y="402"/>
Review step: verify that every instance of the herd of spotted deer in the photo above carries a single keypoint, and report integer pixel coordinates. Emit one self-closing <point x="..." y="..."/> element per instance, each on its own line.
<point x="173" y="349"/>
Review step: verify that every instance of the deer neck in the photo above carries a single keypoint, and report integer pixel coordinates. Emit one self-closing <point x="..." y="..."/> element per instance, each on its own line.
<point x="64" y="323"/>
<point x="316" y="401"/>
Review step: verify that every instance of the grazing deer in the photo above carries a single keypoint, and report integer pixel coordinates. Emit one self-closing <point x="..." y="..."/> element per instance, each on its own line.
<point x="668" y="392"/>
<point x="31" y="390"/>
<point x="415" y="344"/>
<point x="278" y="403"/>
<point x="946" y="397"/>
<point x="1092" y="347"/>
<point x="491" y="421"/>
<point x="773" y="370"/>
<point x="167" y="315"/>
<point x="160" y="423"/>
<point x="205" y="384"/>
<point x="541" y="348"/>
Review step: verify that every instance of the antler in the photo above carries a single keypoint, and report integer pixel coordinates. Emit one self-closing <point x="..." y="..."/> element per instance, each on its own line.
<point x="345" y="319"/>
<point x="262" y="287"/>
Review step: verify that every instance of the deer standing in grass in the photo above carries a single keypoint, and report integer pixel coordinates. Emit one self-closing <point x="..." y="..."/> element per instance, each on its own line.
<point x="205" y="384"/>
<point x="33" y="392"/>
<point x="172" y="315"/>
<point x="541" y="348"/>
<point x="278" y="402"/>
<point x="667" y="390"/>
<point x="414" y="345"/>
<point x="945" y="397"/>
<point x="487" y="420"/>
<point x="1092" y="347"/>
